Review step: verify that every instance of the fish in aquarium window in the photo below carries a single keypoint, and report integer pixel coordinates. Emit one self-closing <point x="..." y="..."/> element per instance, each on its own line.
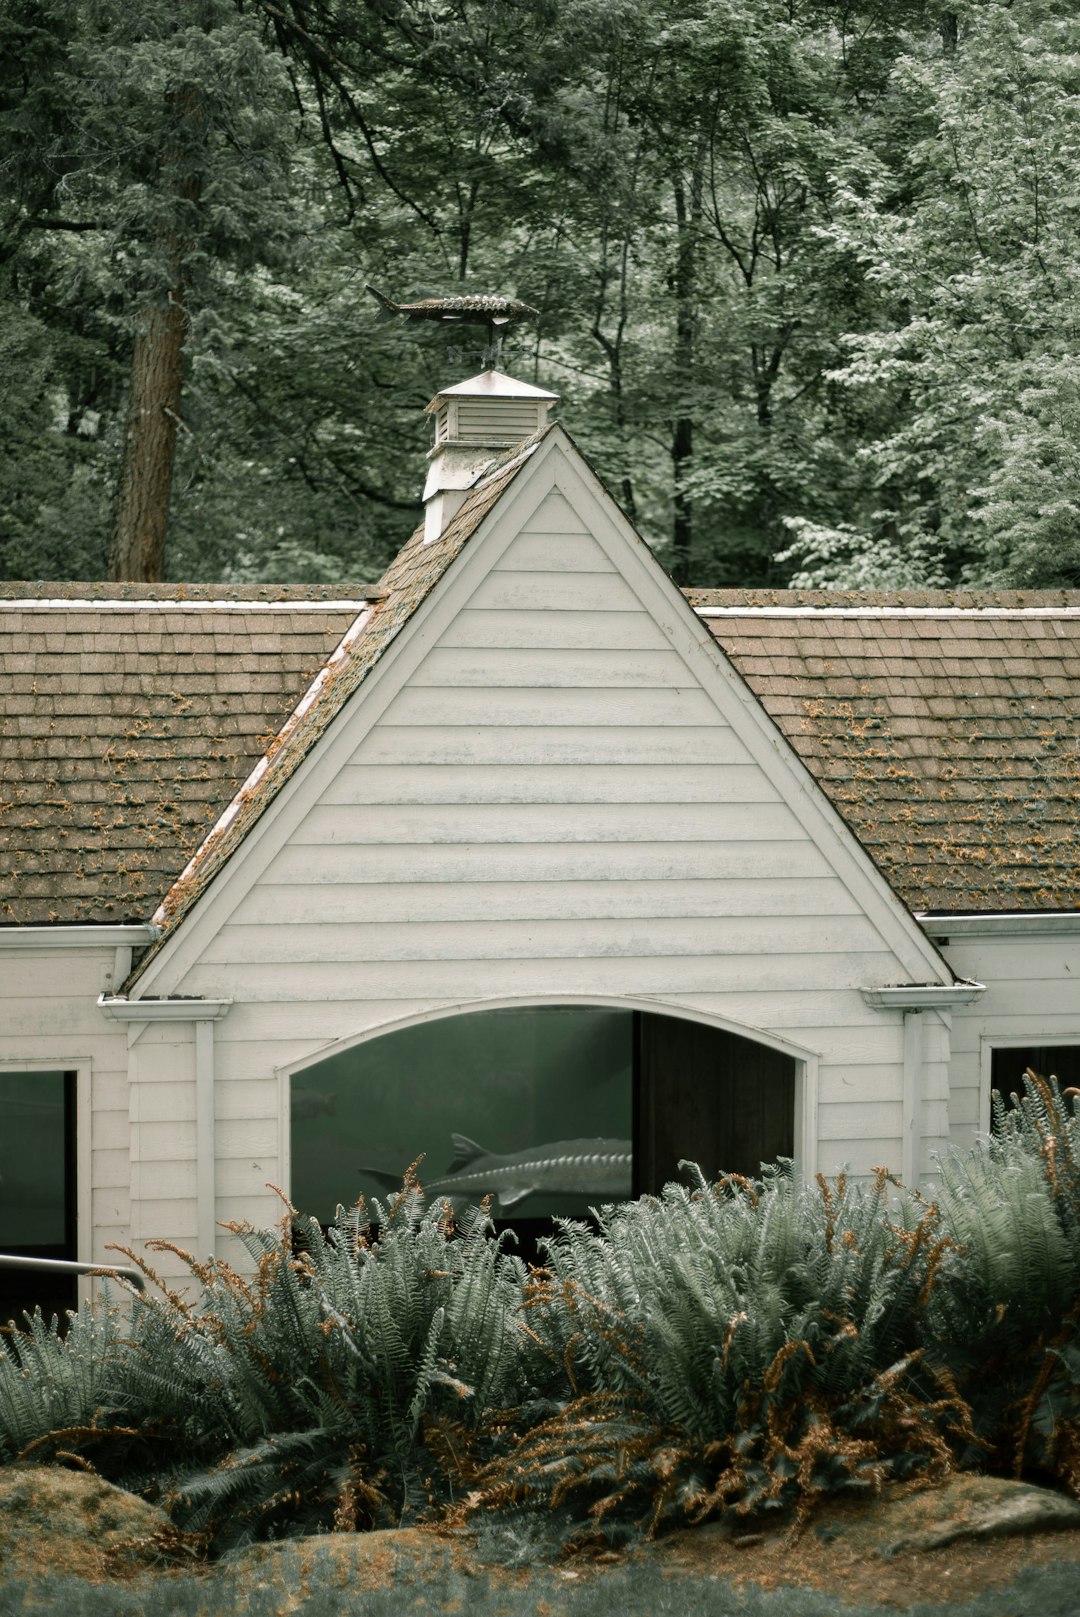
<point x="533" y="1106"/>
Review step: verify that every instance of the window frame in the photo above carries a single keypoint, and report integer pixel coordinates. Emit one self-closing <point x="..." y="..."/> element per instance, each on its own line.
<point x="989" y="1042"/>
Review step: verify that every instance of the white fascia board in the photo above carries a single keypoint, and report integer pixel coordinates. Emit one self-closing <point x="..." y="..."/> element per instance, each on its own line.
<point x="138" y="936"/>
<point x="922" y="996"/>
<point x="1055" y="923"/>
<point x="118" y="1009"/>
<point x="997" y="612"/>
<point x="380" y="685"/>
<point x="76" y="603"/>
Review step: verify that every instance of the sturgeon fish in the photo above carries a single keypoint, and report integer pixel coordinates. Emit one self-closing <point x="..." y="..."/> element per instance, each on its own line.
<point x="601" y="1168"/>
<point x="481" y="307"/>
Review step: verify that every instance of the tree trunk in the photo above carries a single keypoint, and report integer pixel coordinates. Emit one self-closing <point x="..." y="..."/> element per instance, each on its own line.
<point x="687" y="222"/>
<point x="141" y="506"/>
<point x="141" y="510"/>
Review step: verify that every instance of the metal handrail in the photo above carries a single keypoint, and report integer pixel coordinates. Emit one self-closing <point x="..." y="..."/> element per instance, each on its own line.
<point x="120" y="1271"/>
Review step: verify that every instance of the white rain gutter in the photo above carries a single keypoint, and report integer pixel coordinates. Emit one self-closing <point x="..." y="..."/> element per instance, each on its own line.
<point x="192" y="1009"/>
<point x="1054" y="923"/>
<point x="136" y="936"/>
<point x="923" y="996"/>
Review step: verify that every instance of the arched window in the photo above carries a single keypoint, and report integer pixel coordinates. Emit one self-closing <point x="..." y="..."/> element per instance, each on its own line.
<point x="552" y="1109"/>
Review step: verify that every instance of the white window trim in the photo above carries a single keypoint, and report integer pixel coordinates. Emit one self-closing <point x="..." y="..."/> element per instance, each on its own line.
<point x="84" y="1233"/>
<point x="989" y="1042"/>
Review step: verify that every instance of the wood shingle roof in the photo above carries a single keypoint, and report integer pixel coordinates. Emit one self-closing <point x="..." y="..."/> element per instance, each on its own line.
<point x="945" y="727"/>
<point x="128" y="718"/>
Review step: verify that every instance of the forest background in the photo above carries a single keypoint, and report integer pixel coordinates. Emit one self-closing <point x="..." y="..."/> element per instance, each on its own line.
<point x="807" y="273"/>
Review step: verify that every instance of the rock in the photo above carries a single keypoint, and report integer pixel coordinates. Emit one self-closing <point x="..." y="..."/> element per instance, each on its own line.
<point x="72" y="1524"/>
<point x="964" y="1506"/>
<point x="995" y="1511"/>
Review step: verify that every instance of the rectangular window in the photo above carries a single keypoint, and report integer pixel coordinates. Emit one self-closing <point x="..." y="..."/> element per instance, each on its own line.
<point x="37" y="1188"/>
<point x="1009" y="1062"/>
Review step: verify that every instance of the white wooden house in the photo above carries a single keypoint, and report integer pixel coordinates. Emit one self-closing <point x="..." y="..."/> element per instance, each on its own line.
<point x="525" y="846"/>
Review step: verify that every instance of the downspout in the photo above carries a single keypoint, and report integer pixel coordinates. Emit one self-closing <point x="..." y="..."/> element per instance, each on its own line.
<point x="911" y="1141"/>
<point x="205" y="1200"/>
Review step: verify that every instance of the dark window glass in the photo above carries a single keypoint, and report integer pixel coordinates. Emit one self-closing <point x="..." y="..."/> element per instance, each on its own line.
<point x="37" y="1187"/>
<point x="534" y="1105"/>
<point x="553" y="1109"/>
<point x="1008" y="1064"/>
<point x="711" y="1097"/>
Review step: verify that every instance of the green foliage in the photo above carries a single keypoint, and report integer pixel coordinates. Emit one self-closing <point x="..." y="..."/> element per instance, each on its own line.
<point x="966" y="364"/>
<point x="56" y="1388"/>
<point x="1008" y="1319"/>
<point x="741" y="1345"/>
<point x="293" y="1397"/>
<point x="806" y="276"/>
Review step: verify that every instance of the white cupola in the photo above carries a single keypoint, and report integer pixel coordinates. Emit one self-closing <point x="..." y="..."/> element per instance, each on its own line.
<point x="474" y="422"/>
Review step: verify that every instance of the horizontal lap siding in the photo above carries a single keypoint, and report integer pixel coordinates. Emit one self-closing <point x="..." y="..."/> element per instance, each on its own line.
<point x="487" y="743"/>
<point x="526" y="901"/>
<point x="1033" y="992"/>
<point x="490" y="976"/>
<point x="548" y="783"/>
<point x="774" y="938"/>
<point x="551" y="807"/>
<point x="547" y="862"/>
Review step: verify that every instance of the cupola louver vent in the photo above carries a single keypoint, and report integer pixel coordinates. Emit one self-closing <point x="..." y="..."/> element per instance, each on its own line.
<point x="475" y="421"/>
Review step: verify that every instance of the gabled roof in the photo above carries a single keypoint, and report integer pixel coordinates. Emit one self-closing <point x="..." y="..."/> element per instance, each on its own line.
<point x="945" y="727"/>
<point x="129" y="715"/>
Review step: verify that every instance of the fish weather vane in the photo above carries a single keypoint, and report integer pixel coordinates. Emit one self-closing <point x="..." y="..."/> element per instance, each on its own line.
<point x="472" y="308"/>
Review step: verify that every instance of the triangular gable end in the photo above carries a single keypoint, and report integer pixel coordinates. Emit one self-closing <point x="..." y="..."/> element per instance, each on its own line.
<point x="553" y="659"/>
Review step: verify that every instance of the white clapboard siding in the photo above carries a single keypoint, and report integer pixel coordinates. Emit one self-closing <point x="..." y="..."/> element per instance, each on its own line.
<point x="243" y="1137"/>
<point x="861" y="1120"/>
<point x="549" y="667"/>
<point x="657" y="937"/>
<point x="563" y="553"/>
<point x="857" y="1157"/>
<point x="288" y="905"/>
<point x="554" y="783"/>
<point x="1033" y="994"/>
<point x="243" y="1099"/>
<point x="553" y="630"/>
<point x="554" y="592"/>
<point x="585" y="745"/>
<point x="468" y="705"/>
<point x="552" y="515"/>
<point x="504" y="823"/>
<point x="549" y="862"/>
<point x="652" y="975"/>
